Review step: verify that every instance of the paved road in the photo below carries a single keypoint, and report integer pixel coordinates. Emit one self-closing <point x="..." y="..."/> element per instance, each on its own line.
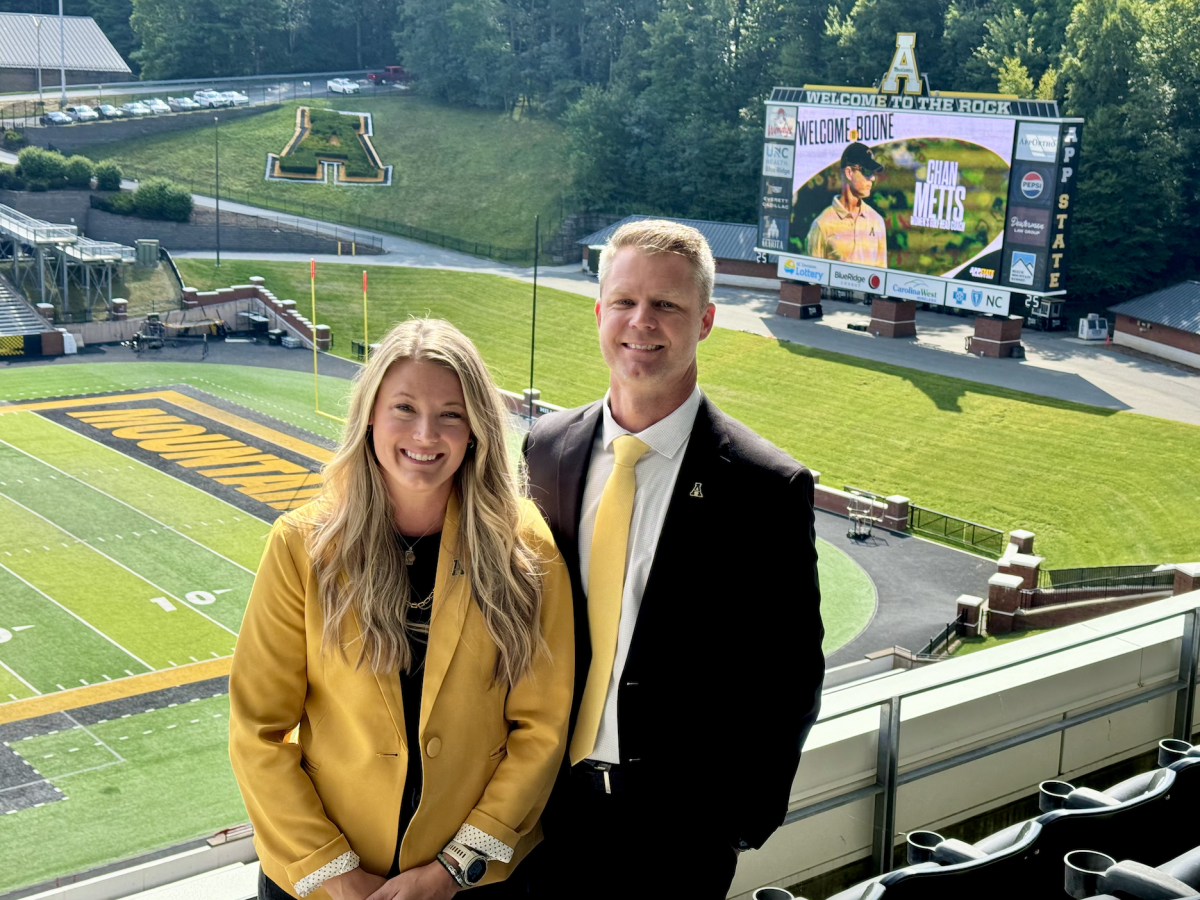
<point x="917" y="583"/>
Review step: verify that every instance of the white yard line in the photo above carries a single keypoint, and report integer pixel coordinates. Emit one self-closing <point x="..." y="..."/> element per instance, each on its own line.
<point x="20" y="679"/>
<point x="93" y="736"/>
<point x="16" y="787"/>
<point x="95" y="549"/>
<point x="122" y="502"/>
<point x="80" y="618"/>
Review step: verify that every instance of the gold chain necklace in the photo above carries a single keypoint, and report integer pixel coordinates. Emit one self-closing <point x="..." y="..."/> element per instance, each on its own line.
<point x="422" y="604"/>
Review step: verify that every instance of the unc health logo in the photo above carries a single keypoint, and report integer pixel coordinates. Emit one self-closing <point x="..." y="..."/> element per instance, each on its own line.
<point x="1032" y="185"/>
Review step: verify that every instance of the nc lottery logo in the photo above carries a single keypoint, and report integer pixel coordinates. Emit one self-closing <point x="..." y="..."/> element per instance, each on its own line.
<point x="789" y="267"/>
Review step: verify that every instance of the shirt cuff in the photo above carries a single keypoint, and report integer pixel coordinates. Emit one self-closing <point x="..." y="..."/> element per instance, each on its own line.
<point x="340" y="866"/>
<point x="482" y="842"/>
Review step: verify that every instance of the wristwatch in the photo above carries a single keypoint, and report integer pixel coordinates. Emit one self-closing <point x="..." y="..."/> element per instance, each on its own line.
<point x="467" y="866"/>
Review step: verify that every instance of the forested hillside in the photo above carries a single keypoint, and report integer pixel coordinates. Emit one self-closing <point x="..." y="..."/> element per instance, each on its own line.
<point x="663" y="98"/>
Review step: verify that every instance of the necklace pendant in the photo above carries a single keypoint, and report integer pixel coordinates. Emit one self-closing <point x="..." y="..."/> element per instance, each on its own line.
<point x="409" y="557"/>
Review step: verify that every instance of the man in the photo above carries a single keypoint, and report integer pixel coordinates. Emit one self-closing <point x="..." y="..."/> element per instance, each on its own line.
<point x="690" y="544"/>
<point x="848" y="230"/>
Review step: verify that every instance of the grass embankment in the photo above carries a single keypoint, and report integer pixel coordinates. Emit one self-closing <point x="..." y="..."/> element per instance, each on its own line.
<point x="471" y="174"/>
<point x="1097" y="486"/>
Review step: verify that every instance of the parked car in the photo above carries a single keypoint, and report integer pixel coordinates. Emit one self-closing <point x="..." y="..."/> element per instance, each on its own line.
<point x="82" y="113"/>
<point x="110" y="112"/>
<point x="210" y="99"/>
<point x="136" y="108"/>
<point x="389" y="75"/>
<point x="236" y="98"/>
<point x="55" y="117"/>
<point x="156" y="106"/>
<point x="341" y="86"/>
<point x="182" y="104"/>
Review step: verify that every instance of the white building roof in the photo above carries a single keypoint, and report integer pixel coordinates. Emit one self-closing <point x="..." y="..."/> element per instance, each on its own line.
<point x="85" y="48"/>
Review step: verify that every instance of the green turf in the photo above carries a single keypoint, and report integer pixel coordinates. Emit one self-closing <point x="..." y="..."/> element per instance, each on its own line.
<point x="847" y="596"/>
<point x="285" y="396"/>
<point x="210" y="521"/>
<point x="975" y="644"/>
<point x="167" y="558"/>
<point x="154" y="790"/>
<point x="83" y="578"/>
<point x="53" y="647"/>
<point x="1097" y="486"/>
<point x="473" y="174"/>
<point x="11" y="687"/>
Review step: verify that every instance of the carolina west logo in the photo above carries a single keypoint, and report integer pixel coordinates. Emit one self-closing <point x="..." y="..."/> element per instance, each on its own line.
<point x="916" y="289"/>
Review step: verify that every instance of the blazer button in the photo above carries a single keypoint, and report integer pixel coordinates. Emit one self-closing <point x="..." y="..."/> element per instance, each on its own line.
<point x="434" y="747"/>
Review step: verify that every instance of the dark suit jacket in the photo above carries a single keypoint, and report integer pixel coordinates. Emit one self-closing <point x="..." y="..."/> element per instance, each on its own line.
<point x="723" y="678"/>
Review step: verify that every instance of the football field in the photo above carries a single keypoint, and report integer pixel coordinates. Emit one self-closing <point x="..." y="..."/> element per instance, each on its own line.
<point x="112" y="566"/>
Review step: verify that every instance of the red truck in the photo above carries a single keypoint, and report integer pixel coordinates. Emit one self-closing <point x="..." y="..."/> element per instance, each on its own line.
<point x="389" y="75"/>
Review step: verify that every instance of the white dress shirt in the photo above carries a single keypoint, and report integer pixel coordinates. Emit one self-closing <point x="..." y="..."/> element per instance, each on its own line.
<point x="656" y="473"/>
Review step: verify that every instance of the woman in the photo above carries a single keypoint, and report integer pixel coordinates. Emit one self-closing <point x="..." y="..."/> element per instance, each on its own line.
<point x="402" y="681"/>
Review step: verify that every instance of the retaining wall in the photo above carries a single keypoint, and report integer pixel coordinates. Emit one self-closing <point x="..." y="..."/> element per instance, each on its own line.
<point x="103" y="226"/>
<point x="70" y="139"/>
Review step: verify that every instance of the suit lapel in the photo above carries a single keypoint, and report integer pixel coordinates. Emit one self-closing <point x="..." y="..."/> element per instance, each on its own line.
<point x="451" y="600"/>
<point x="574" y="460"/>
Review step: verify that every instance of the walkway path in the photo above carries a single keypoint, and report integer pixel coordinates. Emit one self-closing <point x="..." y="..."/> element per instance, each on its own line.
<point x="917" y="583"/>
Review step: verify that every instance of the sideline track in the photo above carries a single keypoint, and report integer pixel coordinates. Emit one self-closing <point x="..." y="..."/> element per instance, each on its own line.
<point x="120" y="689"/>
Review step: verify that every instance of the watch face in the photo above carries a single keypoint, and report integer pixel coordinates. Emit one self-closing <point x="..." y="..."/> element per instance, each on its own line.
<point x="476" y="871"/>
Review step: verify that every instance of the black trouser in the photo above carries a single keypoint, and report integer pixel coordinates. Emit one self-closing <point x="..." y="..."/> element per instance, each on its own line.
<point x="608" y="846"/>
<point x="504" y="890"/>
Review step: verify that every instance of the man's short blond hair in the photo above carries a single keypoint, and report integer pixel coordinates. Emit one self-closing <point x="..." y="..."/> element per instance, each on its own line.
<point x="662" y="236"/>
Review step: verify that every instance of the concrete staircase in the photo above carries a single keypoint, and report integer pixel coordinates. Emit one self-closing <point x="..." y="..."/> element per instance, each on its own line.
<point x="16" y="315"/>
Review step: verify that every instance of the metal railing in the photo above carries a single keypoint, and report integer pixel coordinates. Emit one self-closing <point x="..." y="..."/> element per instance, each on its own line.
<point x="1048" y="578"/>
<point x="942" y="638"/>
<point x="889" y="778"/>
<point x="949" y="529"/>
<point x="1114" y="587"/>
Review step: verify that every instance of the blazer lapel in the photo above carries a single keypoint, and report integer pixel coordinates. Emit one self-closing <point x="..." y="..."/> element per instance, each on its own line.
<point x="451" y="600"/>
<point x="574" y="460"/>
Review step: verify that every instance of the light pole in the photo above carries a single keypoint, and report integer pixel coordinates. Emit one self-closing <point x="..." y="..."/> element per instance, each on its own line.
<point x="62" y="56"/>
<point x="37" y="28"/>
<point x="217" y="179"/>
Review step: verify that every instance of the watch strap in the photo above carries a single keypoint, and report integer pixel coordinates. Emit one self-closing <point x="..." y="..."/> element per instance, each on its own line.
<point x="465" y="858"/>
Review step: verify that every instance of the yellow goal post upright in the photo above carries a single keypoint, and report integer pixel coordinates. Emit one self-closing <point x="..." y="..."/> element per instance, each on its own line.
<point x="312" y="277"/>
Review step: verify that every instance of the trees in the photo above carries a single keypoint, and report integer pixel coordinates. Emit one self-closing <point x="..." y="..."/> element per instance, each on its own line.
<point x="208" y="38"/>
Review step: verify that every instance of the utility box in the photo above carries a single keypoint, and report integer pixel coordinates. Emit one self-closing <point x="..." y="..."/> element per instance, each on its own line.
<point x="147" y="254"/>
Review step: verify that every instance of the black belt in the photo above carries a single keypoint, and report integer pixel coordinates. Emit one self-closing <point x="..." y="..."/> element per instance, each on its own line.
<point x="598" y="776"/>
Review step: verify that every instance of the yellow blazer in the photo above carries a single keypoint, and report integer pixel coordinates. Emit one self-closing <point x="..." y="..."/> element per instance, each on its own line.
<point x="491" y="754"/>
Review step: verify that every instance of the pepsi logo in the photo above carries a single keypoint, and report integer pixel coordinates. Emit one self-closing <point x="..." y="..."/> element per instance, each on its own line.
<point x="875" y="281"/>
<point x="1032" y="185"/>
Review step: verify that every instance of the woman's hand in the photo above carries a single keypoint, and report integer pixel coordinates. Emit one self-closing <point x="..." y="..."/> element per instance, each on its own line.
<point x="431" y="882"/>
<point x="357" y="884"/>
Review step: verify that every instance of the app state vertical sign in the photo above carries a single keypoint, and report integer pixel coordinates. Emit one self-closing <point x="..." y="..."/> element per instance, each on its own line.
<point x="775" y="200"/>
<point x="1064" y="205"/>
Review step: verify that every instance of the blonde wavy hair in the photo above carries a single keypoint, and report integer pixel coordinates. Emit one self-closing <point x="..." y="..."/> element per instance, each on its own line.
<point x="359" y="562"/>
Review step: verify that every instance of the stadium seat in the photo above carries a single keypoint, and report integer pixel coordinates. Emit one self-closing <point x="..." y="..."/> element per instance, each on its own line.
<point x="1088" y="874"/>
<point x="1125" y="821"/>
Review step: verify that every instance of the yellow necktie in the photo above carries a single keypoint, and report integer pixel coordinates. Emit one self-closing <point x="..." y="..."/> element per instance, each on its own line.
<point x="606" y="584"/>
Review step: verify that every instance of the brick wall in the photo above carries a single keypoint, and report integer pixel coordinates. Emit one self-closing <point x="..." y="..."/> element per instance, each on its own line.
<point x="68" y="139"/>
<point x="747" y="268"/>
<point x="58" y="207"/>
<point x="1160" y="334"/>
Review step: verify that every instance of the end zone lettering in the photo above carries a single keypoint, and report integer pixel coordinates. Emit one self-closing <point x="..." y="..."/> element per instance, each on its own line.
<point x="264" y="476"/>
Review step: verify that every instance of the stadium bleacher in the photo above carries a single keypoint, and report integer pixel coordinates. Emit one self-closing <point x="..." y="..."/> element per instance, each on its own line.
<point x="16" y="316"/>
<point x="1148" y="821"/>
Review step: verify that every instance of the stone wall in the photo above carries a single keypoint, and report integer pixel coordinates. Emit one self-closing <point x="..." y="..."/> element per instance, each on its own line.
<point x="68" y="139"/>
<point x="59" y="207"/>
<point x="104" y="226"/>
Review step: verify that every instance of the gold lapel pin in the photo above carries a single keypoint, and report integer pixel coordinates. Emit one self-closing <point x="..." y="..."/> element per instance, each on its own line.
<point x="696" y="491"/>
